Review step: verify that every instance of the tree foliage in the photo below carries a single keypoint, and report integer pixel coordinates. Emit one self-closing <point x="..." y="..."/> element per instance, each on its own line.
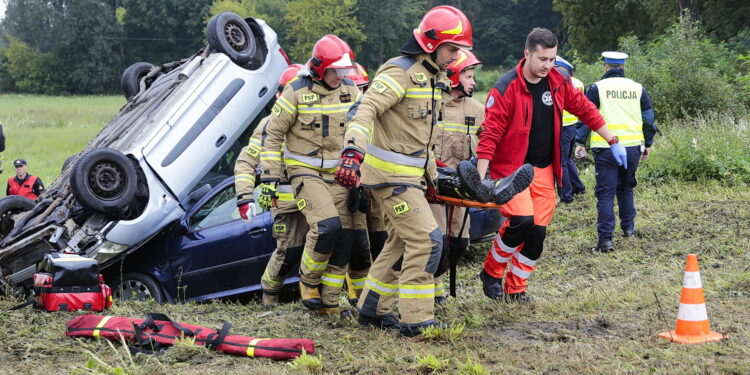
<point x="308" y="22"/>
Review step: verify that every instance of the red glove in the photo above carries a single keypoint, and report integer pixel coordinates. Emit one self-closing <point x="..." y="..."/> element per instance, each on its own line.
<point x="440" y="163"/>
<point x="431" y="195"/>
<point x="246" y="207"/>
<point x="347" y="174"/>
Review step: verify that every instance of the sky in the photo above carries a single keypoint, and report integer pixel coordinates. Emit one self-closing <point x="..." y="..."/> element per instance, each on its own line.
<point x="2" y="9"/>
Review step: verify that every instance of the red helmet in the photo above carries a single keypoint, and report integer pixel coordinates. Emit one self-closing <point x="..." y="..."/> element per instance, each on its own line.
<point x="289" y="75"/>
<point x="443" y="24"/>
<point x="330" y="52"/>
<point x="466" y="60"/>
<point x="360" y="76"/>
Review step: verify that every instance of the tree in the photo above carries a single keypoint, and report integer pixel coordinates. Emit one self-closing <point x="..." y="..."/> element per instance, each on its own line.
<point x="383" y="42"/>
<point x="308" y="22"/>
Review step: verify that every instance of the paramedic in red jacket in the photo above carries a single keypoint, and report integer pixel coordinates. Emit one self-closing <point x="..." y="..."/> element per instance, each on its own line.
<point x="522" y="125"/>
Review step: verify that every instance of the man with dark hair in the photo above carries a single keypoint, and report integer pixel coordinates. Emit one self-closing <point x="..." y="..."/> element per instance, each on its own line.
<point x="522" y="125"/>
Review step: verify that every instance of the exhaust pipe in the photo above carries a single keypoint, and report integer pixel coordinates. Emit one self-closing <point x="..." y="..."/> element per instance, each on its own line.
<point x="190" y="68"/>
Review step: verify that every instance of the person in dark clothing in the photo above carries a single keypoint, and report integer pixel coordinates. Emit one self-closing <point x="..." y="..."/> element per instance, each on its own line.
<point x="23" y="183"/>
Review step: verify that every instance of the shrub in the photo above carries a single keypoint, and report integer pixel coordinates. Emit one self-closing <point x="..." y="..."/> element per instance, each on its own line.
<point x="486" y="78"/>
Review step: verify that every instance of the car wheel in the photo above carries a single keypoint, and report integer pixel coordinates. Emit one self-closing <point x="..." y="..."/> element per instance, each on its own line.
<point x="10" y="206"/>
<point x="130" y="82"/>
<point x="229" y="34"/>
<point x="137" y="287"/>
<point x="67" y="162"/>
<point x="103" y="180"/>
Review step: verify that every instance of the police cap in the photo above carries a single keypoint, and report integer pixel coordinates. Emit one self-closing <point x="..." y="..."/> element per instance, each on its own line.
<point x="19" y="162"/>
<point x="614" y="57"/>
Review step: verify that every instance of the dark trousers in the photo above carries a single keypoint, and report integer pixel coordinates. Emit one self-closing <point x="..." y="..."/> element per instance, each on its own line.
<point x="571" y="184"/>
<point x="613" y="180"/>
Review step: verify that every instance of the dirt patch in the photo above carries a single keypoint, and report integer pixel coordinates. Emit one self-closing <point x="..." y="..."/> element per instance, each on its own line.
<point x="564" y="331"/>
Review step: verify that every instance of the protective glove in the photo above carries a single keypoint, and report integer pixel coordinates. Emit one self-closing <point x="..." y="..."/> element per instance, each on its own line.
<point x="440" y="163"/>
<point x="620" y="154"/>
<point x="347" y="174"/>
<point x="431" y="194"/>
<point x="247" y="211"/>
<point x="269" y="196"/>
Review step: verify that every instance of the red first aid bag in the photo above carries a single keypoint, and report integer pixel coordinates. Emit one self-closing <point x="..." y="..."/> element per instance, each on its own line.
<point x="68" y="282"/>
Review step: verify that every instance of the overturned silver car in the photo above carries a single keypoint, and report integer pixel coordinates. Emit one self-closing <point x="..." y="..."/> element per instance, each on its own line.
<point x="177" y="136"/>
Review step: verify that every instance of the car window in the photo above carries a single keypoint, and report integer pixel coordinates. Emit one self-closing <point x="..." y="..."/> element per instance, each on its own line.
<point x="220" y="209"/>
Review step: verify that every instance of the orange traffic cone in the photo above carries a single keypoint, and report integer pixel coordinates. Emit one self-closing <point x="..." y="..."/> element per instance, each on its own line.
<point x="692" y="319"/>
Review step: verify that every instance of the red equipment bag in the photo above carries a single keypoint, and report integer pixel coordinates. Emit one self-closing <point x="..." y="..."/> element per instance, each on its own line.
<point x="158" y="331"/>
<point x="69" y="282"/>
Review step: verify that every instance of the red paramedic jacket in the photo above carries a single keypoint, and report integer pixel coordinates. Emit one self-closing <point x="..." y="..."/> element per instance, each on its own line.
<point x="507" y="120"/>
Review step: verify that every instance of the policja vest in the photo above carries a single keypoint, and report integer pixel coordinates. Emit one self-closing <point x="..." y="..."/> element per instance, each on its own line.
<point x="620" y="105"/>
<point x="25" y="189"/>
<point x="567" y="117"/>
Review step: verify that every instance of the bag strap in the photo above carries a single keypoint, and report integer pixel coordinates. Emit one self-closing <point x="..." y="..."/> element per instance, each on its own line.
<point x="150" y="322"/>
<point x="214" y="340"/>
<point x="31" y="301"/>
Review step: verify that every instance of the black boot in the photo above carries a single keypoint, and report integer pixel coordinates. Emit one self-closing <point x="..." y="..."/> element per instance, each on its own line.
<point x="492" y="287"/>
<point x="604" y="246"/>
<point x="387" y="321"/>
<point x="471" y="183"/>
<point x="521" y="297"/>
<point x="412" y="330"/>
<point x="503" y="190"/>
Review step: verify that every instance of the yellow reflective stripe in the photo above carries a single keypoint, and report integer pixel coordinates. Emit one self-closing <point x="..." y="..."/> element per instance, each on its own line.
<point x="332" y="280"/>
<point x="289" y="197"/>
<point x="359" y="128"/>
<point x="313" y="265"/>
<point x="422" y="93"/>
<point x="289" y="161"/>
<point x="394" y="168"/>
<point x="270" y="155"/>
<point x="390" y="82"/>
<point x="628" y="136"/>
<point x="416" y="291"/>
<point x="255" y="142"/>
<point x="267" y="278"/>
<point x="358" y="283"/>
<point x="323" y="108"/>
<point x="244" y="177"/>
<point x="286" y="105"/>
<point x="251" y="347"/>
<point x="456" y="127"/>
<point x="380" y="287"/>
<point x="100" y="325"/>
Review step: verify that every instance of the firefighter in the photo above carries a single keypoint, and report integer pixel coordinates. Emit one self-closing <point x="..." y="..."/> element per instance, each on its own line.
<point x="389" y="136"/>
<point x="571" y="183"/>
<point x="625" y="104"/>
<point x="456" y="140"/>
<point x="289" y="225"/>
<point x="23" y="183"/>
<point x="523" y="118"/>
<point x="309" y="120"/>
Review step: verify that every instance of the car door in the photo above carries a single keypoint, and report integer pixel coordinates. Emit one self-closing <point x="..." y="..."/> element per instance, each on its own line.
<point x="218" y="253"/>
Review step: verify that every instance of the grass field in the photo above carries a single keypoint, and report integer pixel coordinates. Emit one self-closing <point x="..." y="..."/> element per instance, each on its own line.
<point x="595" y="313"/>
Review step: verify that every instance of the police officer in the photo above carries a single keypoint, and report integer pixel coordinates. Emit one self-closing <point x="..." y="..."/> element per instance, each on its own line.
<point x="289" y="225"/>
<point x="23" y="183"/>
<point x="309" y="120"/>
<point x="456" y="140"/>
<point x="626" y="107"/>
<point x="388" y="136"/>
<point x="571" y="183"/>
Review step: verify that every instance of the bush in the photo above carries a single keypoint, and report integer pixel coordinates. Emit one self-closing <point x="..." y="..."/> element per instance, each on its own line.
<point x="486" y="78"/>
<point x="711" y="147"/>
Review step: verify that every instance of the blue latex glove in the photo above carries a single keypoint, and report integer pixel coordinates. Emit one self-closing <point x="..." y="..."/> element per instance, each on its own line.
<point x="620" y="154"/>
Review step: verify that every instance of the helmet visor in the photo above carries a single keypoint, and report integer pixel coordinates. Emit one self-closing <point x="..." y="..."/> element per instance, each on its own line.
<point x="342" y="72"/>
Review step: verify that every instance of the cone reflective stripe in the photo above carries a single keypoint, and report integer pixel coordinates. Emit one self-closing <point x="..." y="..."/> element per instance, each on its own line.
<point x="692" y="319"/>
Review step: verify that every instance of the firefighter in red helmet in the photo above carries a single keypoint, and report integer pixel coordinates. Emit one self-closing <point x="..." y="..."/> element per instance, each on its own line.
<point x="388" y="144"/>
<point x="308" y="119"/>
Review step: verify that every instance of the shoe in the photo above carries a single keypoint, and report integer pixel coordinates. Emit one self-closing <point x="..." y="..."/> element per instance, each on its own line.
<point x="604" y="246"/>
<point x="270" y="300"/>
<point x="310" y="296"/>
<point x="471" y="183"/>
<point x="503" y="190"/>
<point x="628" y="233"/>
<point x="521" y="297"/>
<point x="566" y="201"/>
<point x="492" y="287"/>
<point x="387" y="321"/>
<point x="440" y="300"/>
<point x="579" y="192"/>
<point x="413" y="330"/>
<point x="353" y="302"/>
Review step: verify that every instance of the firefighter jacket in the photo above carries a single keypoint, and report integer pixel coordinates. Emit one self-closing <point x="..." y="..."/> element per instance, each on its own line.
<point x="245" y="170"/>
<point x="30" y="187"/>
<point x="309" y="120"/>
<point x="456" y="136"/>
<point x="394" y="122"/>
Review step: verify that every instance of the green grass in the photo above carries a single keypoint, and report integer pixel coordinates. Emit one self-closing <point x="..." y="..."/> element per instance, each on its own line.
<point x="595" y="313"/>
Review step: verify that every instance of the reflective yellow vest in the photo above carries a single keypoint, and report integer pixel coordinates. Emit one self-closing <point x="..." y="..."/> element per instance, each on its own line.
<point x="620" y="105"/>
<point x="567" y="117"/>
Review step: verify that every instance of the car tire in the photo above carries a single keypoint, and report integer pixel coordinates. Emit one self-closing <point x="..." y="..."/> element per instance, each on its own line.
<point x="103" y="181"/>
<point x="67" y="162"/>
<point x="229" y="34"/>
<point x="9" y="206"/>
<point x="130" y="82"/>
<point x="137" y="286"/>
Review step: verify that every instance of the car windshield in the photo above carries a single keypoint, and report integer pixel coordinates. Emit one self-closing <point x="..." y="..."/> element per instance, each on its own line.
<point x="220" y="209"/>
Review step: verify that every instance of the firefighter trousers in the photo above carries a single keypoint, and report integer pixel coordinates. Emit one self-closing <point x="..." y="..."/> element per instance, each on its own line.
<point x="333" y="235"/>
<point x="456" y="242"/>
<point x="405" y="267"/>
<point x="289" y="230"/>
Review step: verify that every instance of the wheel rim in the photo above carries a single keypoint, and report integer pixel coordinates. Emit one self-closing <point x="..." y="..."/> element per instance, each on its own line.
<point x="235" y="36"/>
<point x="107" y="180"/>
<point x="134" y="289"/>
